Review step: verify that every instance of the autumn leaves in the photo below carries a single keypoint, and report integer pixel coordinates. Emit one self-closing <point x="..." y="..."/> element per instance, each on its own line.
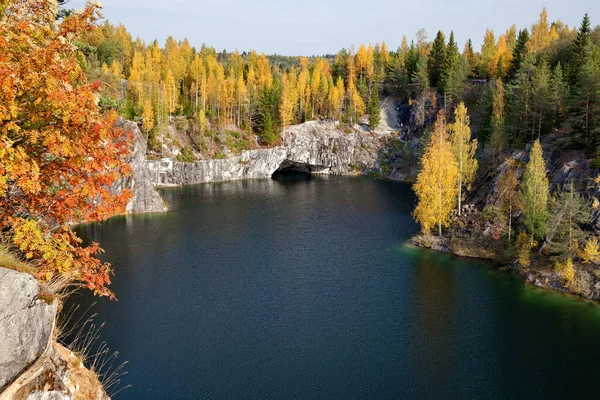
<point x="59" y="155"/>
<point x="448" y="166"/>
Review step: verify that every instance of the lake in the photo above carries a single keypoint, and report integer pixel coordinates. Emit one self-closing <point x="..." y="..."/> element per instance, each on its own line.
<point x="303" y="288"/>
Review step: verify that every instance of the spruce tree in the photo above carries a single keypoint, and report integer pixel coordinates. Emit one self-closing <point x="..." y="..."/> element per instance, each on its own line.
<point x="581" y="48"/>
<point x="535" y="193"/>
<point x="518" y="55"/>
<point x="497" y="139"/>
<point x="451" y="63"/>
<point x="584" y="102"/>
<point x="520" y="102"/>
<point x="374" y="109"/>
<point x="437" y="58"/>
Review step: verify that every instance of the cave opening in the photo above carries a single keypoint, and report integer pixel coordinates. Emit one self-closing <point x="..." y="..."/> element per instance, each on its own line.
<point x="295" y="171"/>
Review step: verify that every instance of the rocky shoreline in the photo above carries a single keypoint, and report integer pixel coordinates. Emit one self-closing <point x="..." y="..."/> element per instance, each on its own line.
<point x="536" y="276"/>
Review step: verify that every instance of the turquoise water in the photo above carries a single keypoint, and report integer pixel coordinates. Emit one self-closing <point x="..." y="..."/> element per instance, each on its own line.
<point x="302" y="288"/>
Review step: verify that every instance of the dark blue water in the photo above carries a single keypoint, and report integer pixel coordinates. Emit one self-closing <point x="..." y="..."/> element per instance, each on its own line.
<point x="303" y="289"/>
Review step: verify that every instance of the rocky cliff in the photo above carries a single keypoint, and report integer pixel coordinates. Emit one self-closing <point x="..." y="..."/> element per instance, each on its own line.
<point x="314" y="147"/>
<point x="32" y="365"/>
<point x="140" y="182"/>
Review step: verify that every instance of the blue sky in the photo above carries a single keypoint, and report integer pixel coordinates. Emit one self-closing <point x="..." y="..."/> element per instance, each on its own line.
<point x="307" y="27"/>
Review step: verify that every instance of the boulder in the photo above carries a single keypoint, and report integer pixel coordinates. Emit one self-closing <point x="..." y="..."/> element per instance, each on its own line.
<point x="26" y="324"/>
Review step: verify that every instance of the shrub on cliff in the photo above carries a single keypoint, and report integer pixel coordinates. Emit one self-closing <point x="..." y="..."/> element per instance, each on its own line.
<point x="59" y="155"/>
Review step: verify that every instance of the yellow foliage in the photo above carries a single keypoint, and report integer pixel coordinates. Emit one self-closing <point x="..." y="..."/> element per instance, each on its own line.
<point x="437" y="183"/>
<point x="591" y="251"/>
<point x="523" y="246"/>
<point x="568" y="272"/>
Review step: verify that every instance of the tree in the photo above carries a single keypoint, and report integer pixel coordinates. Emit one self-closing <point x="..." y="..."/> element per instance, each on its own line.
<point x="581" y="48"/>
<point x="450" y="63"/>
<point x="535" y="193"/>
<point x="374" y="109"/>
<point x="148" y="117"/>
<point x="540" y="34"/>
<point x="463" y="149"/>
<point x="541" y="92"/>
<point x="487" y="65"/>
<point x="519" y="52"/>
<point x="59" y="155"/>
<point x="437" y="183"/>
<point x="584" y="102"/>
<point x="436" y="60"/>
<point x="519" y="101"/>
<point x="569" y="212"/>
<point x="591" y="251"/>
<point x="497" y="139"/>
<point x="508" y="201"/>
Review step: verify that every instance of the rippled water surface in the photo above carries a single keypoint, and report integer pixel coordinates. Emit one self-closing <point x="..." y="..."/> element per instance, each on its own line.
<point x="301" y="288"/>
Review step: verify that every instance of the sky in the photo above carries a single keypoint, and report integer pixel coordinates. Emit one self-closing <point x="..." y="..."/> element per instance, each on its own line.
<point x="317" y="27"/>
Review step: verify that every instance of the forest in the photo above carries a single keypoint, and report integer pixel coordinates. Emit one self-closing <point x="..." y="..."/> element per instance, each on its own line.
<point x="520" y="86"/>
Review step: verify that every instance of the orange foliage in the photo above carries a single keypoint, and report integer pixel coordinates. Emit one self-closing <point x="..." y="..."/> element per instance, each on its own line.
<point x="59" y="155"/>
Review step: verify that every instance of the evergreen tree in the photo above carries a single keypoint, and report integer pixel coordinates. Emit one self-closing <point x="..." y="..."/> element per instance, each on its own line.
<point x="569" y="212"/>
<point x="519" y="101"/>
<point x="584" y="102"/>
<point x="421" y="75"/>
<point x="463" y="149"/>
<point x="518" y="55"/>
<point x="451" y="63"/>
<point x="541" y="93"/>
<point x="437" y="183"/>
<point x="559" y="92"/>
<point x="581" y="48"/>
<point x="374" y="109"/>
<point x="436" y="60"/>
<point x="497" y="139"/>
<point x="263" y="124"/>
<point x="535" y="193"/>
<point x="470" y="55"/>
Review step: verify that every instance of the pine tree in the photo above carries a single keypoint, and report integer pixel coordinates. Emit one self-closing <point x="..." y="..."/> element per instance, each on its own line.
<point x="535" y="193"/>
<point x="436" y="60"/>
<point x="569" y="212"/>
<point x="374" y="109"/>
<point x="437" y="183"/>
<point x="463" y="149"/>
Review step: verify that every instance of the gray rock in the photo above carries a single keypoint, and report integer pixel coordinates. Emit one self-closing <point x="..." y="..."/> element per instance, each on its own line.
<point x="145" y="198"/>
<point x="26" y="324"/>
<point x="315" y="147"/>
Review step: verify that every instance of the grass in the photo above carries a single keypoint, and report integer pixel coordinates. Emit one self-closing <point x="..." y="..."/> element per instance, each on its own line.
<point x="81" y="336"/>
<point x="10" y="261"/>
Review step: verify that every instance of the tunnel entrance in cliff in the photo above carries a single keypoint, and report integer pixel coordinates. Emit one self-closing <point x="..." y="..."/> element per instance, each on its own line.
<point x="296" y="171"/>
